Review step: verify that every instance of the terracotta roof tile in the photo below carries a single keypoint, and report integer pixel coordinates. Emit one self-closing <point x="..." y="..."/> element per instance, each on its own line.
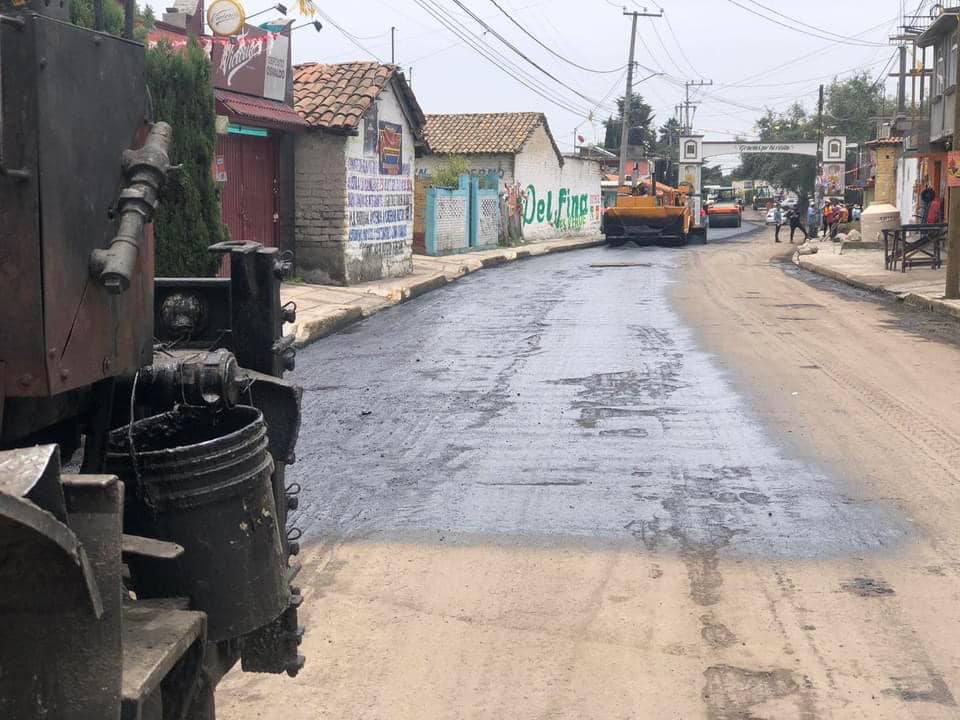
<point x="337" y="96"/>
<point x="465" y="134"/>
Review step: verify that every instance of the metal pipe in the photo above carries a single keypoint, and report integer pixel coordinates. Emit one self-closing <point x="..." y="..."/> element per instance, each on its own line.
<point x="146" y="171"/>
<point x="129" y="10"/>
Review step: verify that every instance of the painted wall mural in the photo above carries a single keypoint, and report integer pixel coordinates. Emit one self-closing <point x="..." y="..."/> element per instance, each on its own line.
<point x="391" y="148"/>
<point x="379" y="205"/>
<point x="562" y="209"/>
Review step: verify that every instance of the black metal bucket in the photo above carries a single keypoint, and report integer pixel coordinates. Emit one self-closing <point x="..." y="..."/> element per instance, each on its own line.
<point x="202" y="479"/>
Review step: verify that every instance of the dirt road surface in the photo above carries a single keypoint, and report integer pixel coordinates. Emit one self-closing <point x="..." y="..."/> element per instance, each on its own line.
<point x="641" y="483"/>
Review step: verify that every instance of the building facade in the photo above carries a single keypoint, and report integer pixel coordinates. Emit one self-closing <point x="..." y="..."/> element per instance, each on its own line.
<point x="254" y="158"/>
<point x="355" y="169"/>
<point x="548" y="194"/>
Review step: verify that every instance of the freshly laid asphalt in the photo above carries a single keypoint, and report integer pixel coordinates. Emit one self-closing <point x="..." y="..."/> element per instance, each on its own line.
<point x="556" y="400"/>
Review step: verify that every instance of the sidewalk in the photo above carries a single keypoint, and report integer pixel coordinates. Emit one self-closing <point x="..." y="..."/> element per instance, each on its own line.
<point x="325" y="309"/>
<point x="920" y="287"/>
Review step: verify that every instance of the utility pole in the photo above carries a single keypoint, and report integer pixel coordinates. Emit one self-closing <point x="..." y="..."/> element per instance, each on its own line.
<point x="393" y="31"/>
<point x="902" y="85"/>
<point x="952" y="289"/>
<point x="628" y="96"/>
<point x="817" y="186"/>
<point x="687" y="124"/>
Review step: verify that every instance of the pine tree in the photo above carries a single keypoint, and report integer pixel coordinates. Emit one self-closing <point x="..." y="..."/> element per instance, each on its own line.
<point x="189" y="218"/>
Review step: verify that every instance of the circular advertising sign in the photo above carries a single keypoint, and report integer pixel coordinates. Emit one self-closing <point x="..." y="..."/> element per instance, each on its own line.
<point x="225" y="17"/>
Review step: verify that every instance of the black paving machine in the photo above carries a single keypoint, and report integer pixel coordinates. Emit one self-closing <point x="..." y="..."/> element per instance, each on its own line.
<point x="144" y="423"/>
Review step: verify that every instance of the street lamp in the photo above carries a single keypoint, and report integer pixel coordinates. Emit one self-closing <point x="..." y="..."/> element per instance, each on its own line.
<point x="317" y="25"/>
<point x="279" y="7"/>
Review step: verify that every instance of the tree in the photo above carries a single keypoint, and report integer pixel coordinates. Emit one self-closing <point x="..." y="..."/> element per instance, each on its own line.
<point x="851" y="107"/>
<point x="713" y="175"/>
<point x="81" y="13"/>
<point x="189" y="219"/>
<point x="639" y="119"/>
<point x="668" y="144"/>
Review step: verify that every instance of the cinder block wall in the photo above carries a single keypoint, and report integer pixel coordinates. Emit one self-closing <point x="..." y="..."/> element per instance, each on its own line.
<point x="320" y="207"/>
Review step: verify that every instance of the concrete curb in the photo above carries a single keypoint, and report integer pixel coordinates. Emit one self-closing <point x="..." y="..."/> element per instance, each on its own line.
<point x="841" y="277"/>
<point x="310" y="330"/>
<point x="913" y="299"/>
<point x="925" y="302"/>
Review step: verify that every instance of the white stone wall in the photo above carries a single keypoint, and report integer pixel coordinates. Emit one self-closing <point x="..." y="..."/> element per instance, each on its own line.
<point x="379" y="207"/>
<point x="559" y="200"/>
<point x="908" y="170"/>
<point x="320" y="197"/>
<point x="481" y="164"/>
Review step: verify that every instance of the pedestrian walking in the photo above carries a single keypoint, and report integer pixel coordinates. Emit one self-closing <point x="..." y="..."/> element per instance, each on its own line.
<point x="827" y="212"/>
<point x="777" y="222"/>
<point x="926" y="199"/>
<point x="796" y="223"/>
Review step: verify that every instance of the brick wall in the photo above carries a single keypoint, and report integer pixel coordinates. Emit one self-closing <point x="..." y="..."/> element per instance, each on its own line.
<point x="320" y="207"/>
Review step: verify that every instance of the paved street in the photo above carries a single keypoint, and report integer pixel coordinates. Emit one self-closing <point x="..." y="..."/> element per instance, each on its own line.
<point x="629" y="483"/>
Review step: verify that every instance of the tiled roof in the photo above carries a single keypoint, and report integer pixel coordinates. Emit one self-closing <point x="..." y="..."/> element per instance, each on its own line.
<point x="892" y="140"/>
<point x="335" y="97"/>
<point x="473" y="133"/>
<point x="262" y="110"/>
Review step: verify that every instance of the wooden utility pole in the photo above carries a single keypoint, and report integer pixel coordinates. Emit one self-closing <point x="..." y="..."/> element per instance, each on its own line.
<point x="628" y="96"/>
<point x="952" y="289"/>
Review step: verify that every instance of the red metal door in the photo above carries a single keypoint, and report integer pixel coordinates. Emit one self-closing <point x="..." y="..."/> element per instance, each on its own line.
<point x="249" y="196"/>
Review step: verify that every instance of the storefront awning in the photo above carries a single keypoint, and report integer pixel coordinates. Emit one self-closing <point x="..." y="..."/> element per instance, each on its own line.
<point x="258" y="111"/>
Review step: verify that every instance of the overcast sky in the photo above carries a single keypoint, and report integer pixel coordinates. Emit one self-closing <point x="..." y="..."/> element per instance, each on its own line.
<point x="753" y="62"/>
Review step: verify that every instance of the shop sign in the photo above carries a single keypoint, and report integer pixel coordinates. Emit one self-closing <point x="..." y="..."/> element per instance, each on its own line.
<point x="254" y="63"/>
<point x="225" y="17"/>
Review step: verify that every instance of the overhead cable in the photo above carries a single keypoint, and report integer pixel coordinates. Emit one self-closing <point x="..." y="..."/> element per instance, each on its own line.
<point x="551" y="50"/>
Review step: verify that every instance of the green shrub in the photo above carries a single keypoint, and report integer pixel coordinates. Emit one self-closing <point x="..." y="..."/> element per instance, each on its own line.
<point x="448" y="174"/>
<point x="189" y="218"/>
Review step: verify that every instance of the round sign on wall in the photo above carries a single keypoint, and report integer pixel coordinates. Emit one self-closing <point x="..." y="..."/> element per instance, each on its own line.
<point x="225" y="17"/>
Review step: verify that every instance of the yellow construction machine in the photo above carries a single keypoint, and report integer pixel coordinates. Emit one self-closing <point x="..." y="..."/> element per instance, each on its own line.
<point x="651" y="212"/>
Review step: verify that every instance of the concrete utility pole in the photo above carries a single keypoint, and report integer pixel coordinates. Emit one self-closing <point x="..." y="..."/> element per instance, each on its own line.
<point x="687" y="124"/>
<point x="952" y="289"/>
<point x="817" y="188"/>
<point x="628" y="96"/>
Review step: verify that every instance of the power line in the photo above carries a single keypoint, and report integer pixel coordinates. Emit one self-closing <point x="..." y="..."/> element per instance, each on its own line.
<point x="477" y="45"/>
<point x="679" y="44"/>
<point x="824" y="31"/>
<point x="663" y="45"/>
<point x="548" y="48"/>
<point x="805" y="55"/>
<point x="352" y="38"/>
<point x="796" y="29"/>
<point x="483" y="23"/>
